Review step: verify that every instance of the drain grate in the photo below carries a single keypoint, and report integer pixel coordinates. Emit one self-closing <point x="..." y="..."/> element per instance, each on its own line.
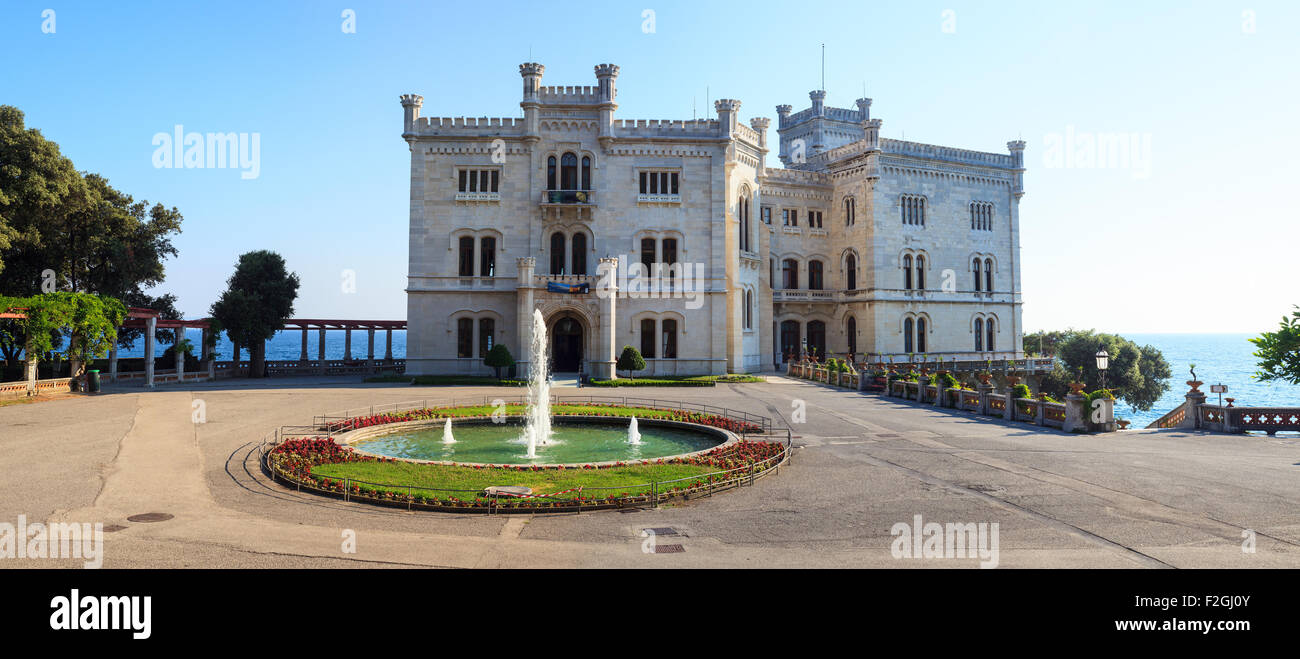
<point x="662" y="530"/>
<point x="150" y="517"/>
<point x="113" y="528"/>
<point x="669" y="549"/>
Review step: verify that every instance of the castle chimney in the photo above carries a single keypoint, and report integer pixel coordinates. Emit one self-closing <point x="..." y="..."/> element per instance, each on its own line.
<point x="411" y="104"/>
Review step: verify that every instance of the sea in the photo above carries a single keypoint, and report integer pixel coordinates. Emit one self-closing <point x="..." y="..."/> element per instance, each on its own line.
<point x="1219" y="358"/>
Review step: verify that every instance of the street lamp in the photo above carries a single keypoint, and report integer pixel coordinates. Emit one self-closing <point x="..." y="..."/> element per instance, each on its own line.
<point x="1103" y="362"/>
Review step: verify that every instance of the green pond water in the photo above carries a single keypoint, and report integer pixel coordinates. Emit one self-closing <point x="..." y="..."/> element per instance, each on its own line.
<point x="571" y="443"/>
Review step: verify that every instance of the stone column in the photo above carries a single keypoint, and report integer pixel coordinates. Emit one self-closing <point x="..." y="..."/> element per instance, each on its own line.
<point x="606" y="357"/>
<point x="370" y="348"/>
<point x="29" y="369"/>
<point x="151" y="324"/>
<point x="986" y="393"/>
<point x="303" y="357"/>
<point x="347" y="345"/>
<point x="388" y="350"/>
<point x="1009" y="413"/>
<point x="180" y="359"/>
<point x="1195" y="398"/>
<point x="1076" y="418"/>
<point x="524" y="311"/>
<point x="112" y="363"/>
<point x="320" y="351"/>
<point x="940" y="390"/>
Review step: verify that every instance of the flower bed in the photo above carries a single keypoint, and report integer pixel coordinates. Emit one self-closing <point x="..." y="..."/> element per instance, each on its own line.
<point x="296" y="461"/>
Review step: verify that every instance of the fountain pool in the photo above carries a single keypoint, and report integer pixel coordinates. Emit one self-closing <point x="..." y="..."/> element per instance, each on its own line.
<point x="572" y="442"/>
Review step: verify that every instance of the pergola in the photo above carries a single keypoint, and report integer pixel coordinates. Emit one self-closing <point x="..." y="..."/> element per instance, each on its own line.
<point x="149" y="321"/>
<point x="322" y="325"/>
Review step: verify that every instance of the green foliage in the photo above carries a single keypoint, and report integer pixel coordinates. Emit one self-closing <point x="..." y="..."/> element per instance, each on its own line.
<point x="950" y="381"/>
<point x="1021" y="391"/>
<point x="260" y="296"/>
<point x="630" y="360"/>
<point x="92" y="319"/>
<point x="499" y="357"/>
<point x="1279" y="352"/>
<point x="1138" y="375"/>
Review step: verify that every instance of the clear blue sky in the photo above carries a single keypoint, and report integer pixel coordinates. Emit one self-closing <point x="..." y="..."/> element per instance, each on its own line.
<point x="1205" y="242"/>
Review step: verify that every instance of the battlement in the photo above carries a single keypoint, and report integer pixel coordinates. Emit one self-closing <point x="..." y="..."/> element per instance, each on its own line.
<point x="846" y="115"/>
<point x="948" y="154"/>
<point x="797" y="177"/>
<point x="444" y="124"/>
<point x="665" y="128"/>
<point x="570" y="95"/>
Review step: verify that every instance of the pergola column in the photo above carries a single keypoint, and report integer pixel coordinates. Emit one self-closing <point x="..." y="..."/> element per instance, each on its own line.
<point x="370" y="347"/>
<point x="180" y="356"/>
<point x="388" y="351"/>
<point x="29" y="368"/>
<point x="112" y="363"/>
<point x="320" y="350"/>
<point x="347" y="345"/>
<point x="303" y="357"/>
<point x="150" y="325"/>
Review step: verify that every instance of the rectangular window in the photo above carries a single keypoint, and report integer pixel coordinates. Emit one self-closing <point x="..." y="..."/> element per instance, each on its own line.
<point x="785" y="217"/>
<point x="766" y="214"/>
<point x="648" y="255"/>
<point x="464" y="178"/>
<point x="659" y="183"/>
<point x="478" y="180"/>
<point x="486" y="328"/>
<point x="648" y="338"/>
<point x="794" y="217"/>
<point x="644" y="183"/>
<point x="465" y="337"/>
<point x="815" y="219"/>
<point x="466" y="263"/>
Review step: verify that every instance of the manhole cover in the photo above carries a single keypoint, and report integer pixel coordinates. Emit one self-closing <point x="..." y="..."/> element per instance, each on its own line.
<point x="150" y="517"/>
<point x="669" y="549"/>
<point x="113" y="528"/>
<point x="663" y="530"/>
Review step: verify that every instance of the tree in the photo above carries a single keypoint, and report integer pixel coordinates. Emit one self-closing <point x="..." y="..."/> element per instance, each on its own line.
<point x="259" y="297"/>
<point x="499" y="357"/>
<point x="1138" y="375"/>
<point x="630" y="360"/>
<point x="63" y="230"/>
<point x="1279" y="352"/>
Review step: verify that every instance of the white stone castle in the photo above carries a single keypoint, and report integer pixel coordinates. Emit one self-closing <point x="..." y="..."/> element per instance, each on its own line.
<point x="674" y="237"/>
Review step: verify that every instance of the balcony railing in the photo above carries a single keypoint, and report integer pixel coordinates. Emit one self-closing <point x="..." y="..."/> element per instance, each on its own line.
<point x="568" y="197"/>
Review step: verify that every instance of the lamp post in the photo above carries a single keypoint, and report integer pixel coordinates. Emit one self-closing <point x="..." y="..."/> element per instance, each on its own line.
<point x="1103" y="362"/>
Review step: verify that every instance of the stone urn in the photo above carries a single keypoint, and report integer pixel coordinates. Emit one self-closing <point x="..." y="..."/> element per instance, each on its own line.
<point x="985" y="378"/>
<point x="1123" y="423"/>
<point x="1195" y="385"/>
<point x="1013" y="380"/>
<point x="1042" y="396"/>
<point x="1076" y="388"/>
<point x="1230" y="401"/>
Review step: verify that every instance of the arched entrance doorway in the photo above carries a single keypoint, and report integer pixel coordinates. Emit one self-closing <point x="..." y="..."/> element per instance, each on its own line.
<point x="566" y="345"/>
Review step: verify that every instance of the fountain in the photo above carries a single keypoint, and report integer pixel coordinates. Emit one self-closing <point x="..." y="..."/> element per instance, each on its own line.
<point x="633" y="434"/>
<point x="447" y="438"/>
<point x="538" y="429"/>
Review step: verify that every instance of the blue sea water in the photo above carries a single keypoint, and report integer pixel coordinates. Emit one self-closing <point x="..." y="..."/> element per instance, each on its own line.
<point x="288" y="345"/>
<point x="1220" y="359"/>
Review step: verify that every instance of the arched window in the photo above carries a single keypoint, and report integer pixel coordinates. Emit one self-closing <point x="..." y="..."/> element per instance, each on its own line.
<point x="920" y="335"/>
<point x="790" y="339"/>
<point x="975" y="265"/>
<point x="550" y="174"/>
<point x="817" y="338"/>
<point x="465" y="265"/>
<point x="990" y="327"/>
<point x="851" y="329"/>
<point x="749" y="309"/>
<point x="669" y="249"/>
<point x="648" y="338"/>
<point x="988" y="275"/>
<point x="669" y="329"/>
<point x="586" y="173"/>
<point x="487" y="257"/>
<point x="815" y="275"/>
<point x="979" y="335"/>
<point x="465" y="337"/>
<point x="742" y="216"/>
<point x="568" y="172"/>
<point x="790" y="274"/>
<point x="920" y="273"/>
<point x="557" y="253"/>
<point x="907" y="272"/>
<point x="907" y="335"/>
<point x="851" y="272"/>
<point x="579" y="247"/>
<point x="848" y="211"/>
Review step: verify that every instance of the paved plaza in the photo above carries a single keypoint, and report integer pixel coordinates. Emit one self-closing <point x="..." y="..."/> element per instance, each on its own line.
<point x="862" y="464"/>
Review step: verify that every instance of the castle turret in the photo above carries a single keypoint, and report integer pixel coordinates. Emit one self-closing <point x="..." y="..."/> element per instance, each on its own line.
<point x="728" y="109"/>
<point x="607" y="76"/>
<point x="1017" y="150"/>
<point x="411" y="104"/>
<point x="818" y="97"/>
<point x="864" y="109"/>
<point x="532" y="75"/>
<point x="760" y="125"/>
